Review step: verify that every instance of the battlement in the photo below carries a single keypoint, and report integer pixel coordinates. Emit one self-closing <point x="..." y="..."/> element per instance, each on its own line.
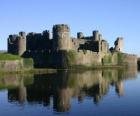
<point x="22" y="34"/>
<point x="61" y="28"/>
<point x="12" y="38"/>
<point x="46" y="34"/>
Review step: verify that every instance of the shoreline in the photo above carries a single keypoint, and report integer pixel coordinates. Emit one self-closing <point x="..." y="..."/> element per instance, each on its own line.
<point x="55" y="70"/>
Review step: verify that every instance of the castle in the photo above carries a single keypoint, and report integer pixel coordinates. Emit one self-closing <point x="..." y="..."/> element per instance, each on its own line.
<point x="63" y="50"/>
<point x="18" y="44"/>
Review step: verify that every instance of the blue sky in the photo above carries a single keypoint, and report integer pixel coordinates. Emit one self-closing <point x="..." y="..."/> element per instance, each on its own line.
<point x="112" y="18"/>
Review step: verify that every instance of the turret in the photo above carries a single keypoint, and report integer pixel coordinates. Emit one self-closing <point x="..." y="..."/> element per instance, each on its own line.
<point x="17" y="44"/>
<point x="12" y="44"/>
<point x="61" y="37"/>
<point x="21" y="43"/>
<point x="96" y="35"/>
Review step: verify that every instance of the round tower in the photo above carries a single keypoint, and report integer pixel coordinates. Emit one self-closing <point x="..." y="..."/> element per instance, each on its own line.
<point x="21" y="43"/>
<point x="96" y="35"/>
<point x="61" y="37"/>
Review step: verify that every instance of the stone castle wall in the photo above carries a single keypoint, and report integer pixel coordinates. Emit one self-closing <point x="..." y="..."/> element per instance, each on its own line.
<point x="130" y="60"/>
<point x="16" y="65"/>
<point x="87" y="58"/>
<point x="11" y="65"/>
<point x="82" y="58"/>
<point x="110" y="59"/>
<point x="65" y="51"/>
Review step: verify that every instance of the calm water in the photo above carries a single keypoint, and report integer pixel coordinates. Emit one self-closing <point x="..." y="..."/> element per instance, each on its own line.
<point x="98" y="93"/>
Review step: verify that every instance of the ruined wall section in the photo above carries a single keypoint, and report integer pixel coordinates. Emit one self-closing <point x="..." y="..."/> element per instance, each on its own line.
<point x="80" y="35"/>
<point x="12" y="44"/>
<point x="119" y="44"/>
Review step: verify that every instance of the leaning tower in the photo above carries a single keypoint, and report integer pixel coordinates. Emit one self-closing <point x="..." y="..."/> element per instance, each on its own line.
<point x="61" y="37"/>
<point x="21" y="43"/>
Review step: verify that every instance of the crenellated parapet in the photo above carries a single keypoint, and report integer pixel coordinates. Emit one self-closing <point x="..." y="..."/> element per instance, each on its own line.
<point x="61" y="28"/>
<point x="46" y="34"/>
<point x="38" y="41"/>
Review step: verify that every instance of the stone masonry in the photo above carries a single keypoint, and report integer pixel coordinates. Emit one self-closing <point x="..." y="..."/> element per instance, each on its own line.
<point x="88" y="50"/>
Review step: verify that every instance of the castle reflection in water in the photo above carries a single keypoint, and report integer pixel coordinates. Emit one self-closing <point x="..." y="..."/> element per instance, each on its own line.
<point x="59" y="88"/>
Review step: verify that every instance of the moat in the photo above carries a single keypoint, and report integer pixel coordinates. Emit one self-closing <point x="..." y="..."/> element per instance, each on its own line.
<point x="99" y="92"/>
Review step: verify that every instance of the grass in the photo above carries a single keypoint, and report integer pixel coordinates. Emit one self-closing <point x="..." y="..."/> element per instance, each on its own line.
<point x="6" y="56"/>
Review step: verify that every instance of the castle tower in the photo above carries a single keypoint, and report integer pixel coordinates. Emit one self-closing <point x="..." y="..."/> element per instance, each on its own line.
<point x="21" y="43"/>
<point x="46" y="43"/>
<point x="61" y="37"/>
<point x="96" y="35"/>
<point x="80" y="35"/>
<point x="119" y="44"/>
<point x="12" y="44"/>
